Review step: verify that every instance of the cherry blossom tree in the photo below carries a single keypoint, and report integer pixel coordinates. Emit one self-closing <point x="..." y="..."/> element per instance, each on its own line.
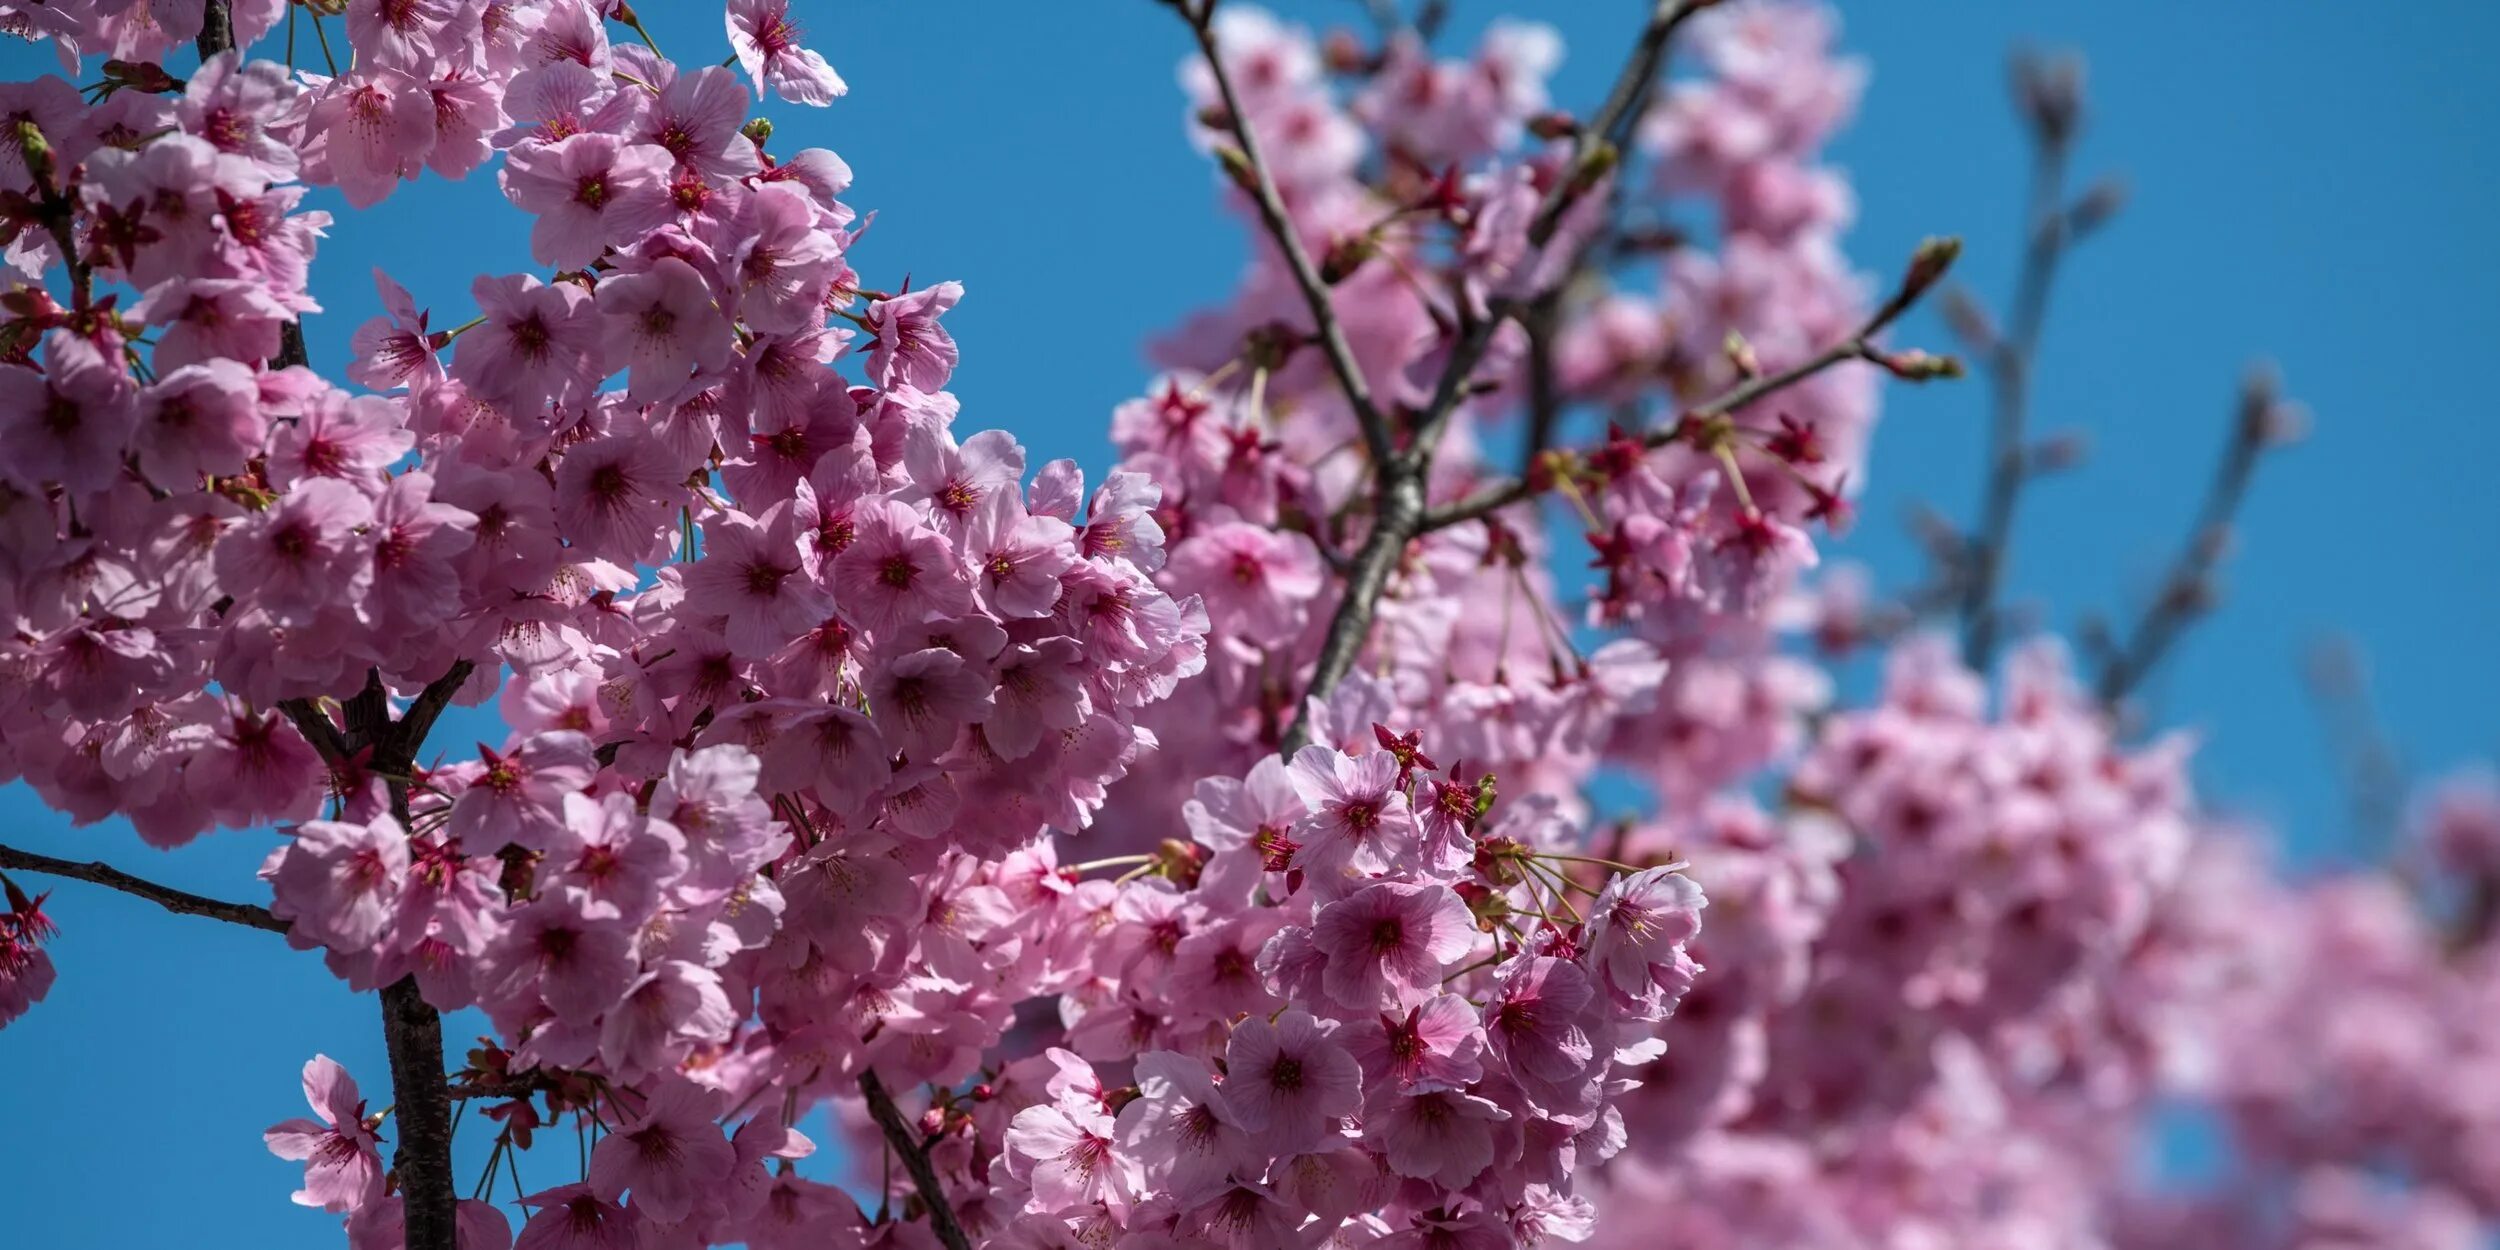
<point x="1208" y="858"/>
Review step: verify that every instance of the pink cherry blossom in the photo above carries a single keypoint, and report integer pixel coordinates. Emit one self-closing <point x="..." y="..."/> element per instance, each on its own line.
<point x="766" y="39"/>
<point x="1289" y="1082"/>
<point x="342" y="1166"/>
<point x="659" y="324"/>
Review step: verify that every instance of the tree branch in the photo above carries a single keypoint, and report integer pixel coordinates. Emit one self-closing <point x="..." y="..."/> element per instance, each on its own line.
<point x="167" y="897"/>
<point x="2051" y="99"/>
<point x="1596" y="149"/>
<point x="412" y="1031"/>
<point x="427" y="708"/>
<point x="413" y="1034"/>
<point x="216" y="29"/>
<point x="1399" y="514"/>
<point x="906" y="1143"/>
<point x="1255" y="179"/>
<point x="2186" y="590"/>
<point x="1925" y="268"/>
<point x="1398" y="484"/>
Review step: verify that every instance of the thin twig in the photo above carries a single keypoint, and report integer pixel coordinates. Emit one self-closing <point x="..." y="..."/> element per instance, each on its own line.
<point x="2186" y="589"/>
<point x="906" y="1143"/>
<point x="1858" y="346"/>
<point x="2010" y="369"/>
<point x="167" y="897"/>
<point x="1255" y="179"/>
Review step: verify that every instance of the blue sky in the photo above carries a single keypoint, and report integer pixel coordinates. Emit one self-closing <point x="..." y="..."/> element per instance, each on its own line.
<point x="2310" y="185"/>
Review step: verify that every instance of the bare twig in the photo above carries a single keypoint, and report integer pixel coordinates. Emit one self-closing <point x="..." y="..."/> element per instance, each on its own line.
<point x="2050" y="94"/>
<point x="1253" y="176"/>
<point x="906" y="1143"/>
<point x="167" y="897"/>
<point x="2186" y="591"/>
<point x="1925" y="269"/>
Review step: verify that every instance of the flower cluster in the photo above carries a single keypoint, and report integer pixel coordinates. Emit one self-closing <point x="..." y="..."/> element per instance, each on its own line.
<point x="848" y="755"/>
<point x="1362" y="991"/>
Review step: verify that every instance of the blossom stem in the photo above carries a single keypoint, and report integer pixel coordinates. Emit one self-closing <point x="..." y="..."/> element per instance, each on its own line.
<point x="1260" y="184"/>
<point x="899" y="1135"/>
<point x="633" y="22"/>
<point x="1112" y="862"/>
<point x="324" y="36"/>
<point x="178" y="901"/>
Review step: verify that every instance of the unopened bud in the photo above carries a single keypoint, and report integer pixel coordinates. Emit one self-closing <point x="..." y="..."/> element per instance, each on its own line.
<point x="1596" y="161"/>
<point x="1918" y="366"/>
<point x="758" y="129"/>
<point x="2049" y="91"/>
<point x="1345" y="256"/>
<point x="1215" y="117"/>
<point x="2058" y="452"/>
<point x="1344" y="52"/>
<point x="2282" y="423"/>
<point x="1933" y="257"/>
<point x="37" y="149"/>
<point x="1553" y="125"/>
<point x="2098" y="204"/>
<point x="1237" y="167"/>
<point x="1741" y="354"/>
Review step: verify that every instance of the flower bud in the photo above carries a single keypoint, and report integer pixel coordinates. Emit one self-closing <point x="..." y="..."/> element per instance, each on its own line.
<point x="1345" y="256"/>
<point x="2049" y="91"/>
<point x="1596" y="161"/>
<point x="1918" y="366"/>
<point x="2099" y="203"/>
<point x="1934" y="256"/>
<point x="1553" y="125"/>
<point x="1237" y="167"/>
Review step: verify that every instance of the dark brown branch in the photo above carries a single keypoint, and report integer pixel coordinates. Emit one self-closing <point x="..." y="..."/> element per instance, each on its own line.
<point x="413" y="1033"/>
<point x="906" y="1143"/>
<point x="428" y="707"/>
<point x="1545" y="401"/>
<point x="2049" y="96"/>
<point x="2186" y="590"/>
<point x="167" y="897"/>
<point x="1255" y="179"/>
<point x="412" y="1030"/>
<point x="216" y="29"/>
<point x="310" y="721"/>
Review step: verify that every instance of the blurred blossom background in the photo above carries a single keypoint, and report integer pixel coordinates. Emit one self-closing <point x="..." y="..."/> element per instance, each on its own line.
<point x="2305" y="184"/>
